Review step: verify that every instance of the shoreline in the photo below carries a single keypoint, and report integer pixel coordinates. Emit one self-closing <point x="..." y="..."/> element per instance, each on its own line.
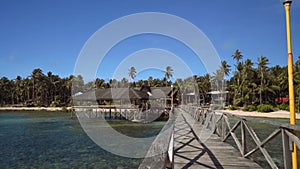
<point x="276" y="114"/>
<point x="50" y="109"/>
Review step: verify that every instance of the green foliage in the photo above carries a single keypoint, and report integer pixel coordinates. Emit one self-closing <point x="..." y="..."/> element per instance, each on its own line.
<point x="249" y="108"/>
<point x="284" y="106"/>
<point x="251" y="83"/>
<point x="232" y="107"/>
<point x="265" y="108"/>
<point x="238" y="102"/>
<point x="64" y="109"/>
<point x="54" y="104"/>
<point x="38" y="103"/>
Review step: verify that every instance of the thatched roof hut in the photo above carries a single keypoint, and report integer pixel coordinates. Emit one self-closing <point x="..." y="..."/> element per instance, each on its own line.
<point x="112" y="94"/>
<point x="162" y="95"/>
<point x="145" y="93"/>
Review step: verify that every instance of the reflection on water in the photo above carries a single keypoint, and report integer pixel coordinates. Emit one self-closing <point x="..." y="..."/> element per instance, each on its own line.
<point x="54" y="140"/>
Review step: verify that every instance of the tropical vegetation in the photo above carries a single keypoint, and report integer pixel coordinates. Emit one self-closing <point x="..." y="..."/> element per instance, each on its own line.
<point x="253" y="85"/>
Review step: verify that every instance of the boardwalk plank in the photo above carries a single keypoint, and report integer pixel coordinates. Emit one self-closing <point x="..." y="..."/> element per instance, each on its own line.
<point x="195" y="149"/>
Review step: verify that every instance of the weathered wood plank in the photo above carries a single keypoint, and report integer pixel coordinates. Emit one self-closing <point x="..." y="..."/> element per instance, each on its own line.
<point x="158" y="153"/>
<point x="286" y="150"/>
<point x="244" y="139"/>
<point x="293" y="138"/>
<point x="193" y="150"/>
<point x="262" y="149"/>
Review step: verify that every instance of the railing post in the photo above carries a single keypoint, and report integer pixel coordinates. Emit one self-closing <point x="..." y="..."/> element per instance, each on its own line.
<point x="173" y="161"/>
<point x="244" y="139"/>
<point x="286" y="149"/>
<point x="173" y="140"/>
<point x="223" y="127"/>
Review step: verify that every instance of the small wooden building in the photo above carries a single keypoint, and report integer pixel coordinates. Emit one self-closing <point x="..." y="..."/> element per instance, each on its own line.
<point x="128" y="96"/>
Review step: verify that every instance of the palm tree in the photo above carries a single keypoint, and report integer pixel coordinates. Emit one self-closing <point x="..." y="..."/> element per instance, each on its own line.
<point x="247" y="70"/>
<point x="187" y="86"/>
<point x="238" y="66"/>
<point x="99" y="83"/>
<point x="168" y="73"/>
<point x="225" y="67"/>
<point x="150" y="80"/>
<point x="77" y="84"/>
<point x="27" y="89"/>
<point x="204" y="86"/>
<point x="297" y="65"/>
<point x="279" y="78"/>
<point x="158" y="83"/>
<point x="68" y="86"/>
<point x="262" y="69"/>
<point x="37" y="80"/>
<point x="140" y="83"/>
<point x="245" y="76"/>
<point x="237" y="56"/>
<point x="132" y="73"/>
<point x="217" y="80"/>
<point x="53" y="80"/>
<point x="18" y="87"/>
<point x="4" y="90"/>
<point x="113" y="83"/>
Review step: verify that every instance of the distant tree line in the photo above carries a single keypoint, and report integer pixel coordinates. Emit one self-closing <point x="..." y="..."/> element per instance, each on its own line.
<point x="39" y="89"/>
<point x="258" y="83"/>
<point x="252" y="83"/>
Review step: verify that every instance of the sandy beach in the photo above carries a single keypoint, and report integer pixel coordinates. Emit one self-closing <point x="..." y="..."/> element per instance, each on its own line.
<point x="33" y="108"/>
<point x="276" y="114"/>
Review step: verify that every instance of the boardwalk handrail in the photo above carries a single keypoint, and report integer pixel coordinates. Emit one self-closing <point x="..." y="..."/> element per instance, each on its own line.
<point x="221" y="126"/>
<point x="169" y="159"/>
<point x="158" y="154"/>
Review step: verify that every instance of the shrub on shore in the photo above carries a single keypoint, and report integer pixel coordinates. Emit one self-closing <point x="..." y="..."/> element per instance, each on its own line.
<point x="284" y="106"/>
<point x="265" y="108"/>
<point x="64" y="109"/>
<point x="249" y="108"/>
<point x="54" y="104"/>
<point x="232" y="107"/>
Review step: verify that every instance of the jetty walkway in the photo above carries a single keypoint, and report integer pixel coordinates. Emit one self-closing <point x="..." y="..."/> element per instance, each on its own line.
<point x="196" y="147"/>
<point x="196" y="137"/>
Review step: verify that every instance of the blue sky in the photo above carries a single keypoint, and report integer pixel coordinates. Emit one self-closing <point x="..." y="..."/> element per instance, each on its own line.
<point x="50" y="34"/>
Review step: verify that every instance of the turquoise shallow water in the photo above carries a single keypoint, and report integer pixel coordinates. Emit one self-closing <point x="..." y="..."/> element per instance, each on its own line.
<point x="54" y="140"/>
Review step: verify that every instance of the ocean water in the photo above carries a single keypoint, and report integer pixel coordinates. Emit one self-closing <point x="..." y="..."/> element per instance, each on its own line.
<point x="263" y="130"/>
<point x="54" y="140"/>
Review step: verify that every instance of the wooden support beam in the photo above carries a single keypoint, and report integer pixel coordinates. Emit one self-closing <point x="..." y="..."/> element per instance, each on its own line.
<point x="286" y="150"/>
<point x="244" y="139"/>
<point x="262" y="149"/>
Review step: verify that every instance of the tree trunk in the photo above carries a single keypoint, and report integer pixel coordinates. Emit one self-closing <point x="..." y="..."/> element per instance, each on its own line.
<point x="260" y="90"/>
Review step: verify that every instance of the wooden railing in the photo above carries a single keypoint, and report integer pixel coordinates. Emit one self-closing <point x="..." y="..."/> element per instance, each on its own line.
<point x="219" y="122"/>
<point x="113" y="112"/>
<point x="160" y="155"/>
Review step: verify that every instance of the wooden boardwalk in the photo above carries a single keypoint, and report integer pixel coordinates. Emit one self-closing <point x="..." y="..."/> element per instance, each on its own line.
<point x="196" y="148"/>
